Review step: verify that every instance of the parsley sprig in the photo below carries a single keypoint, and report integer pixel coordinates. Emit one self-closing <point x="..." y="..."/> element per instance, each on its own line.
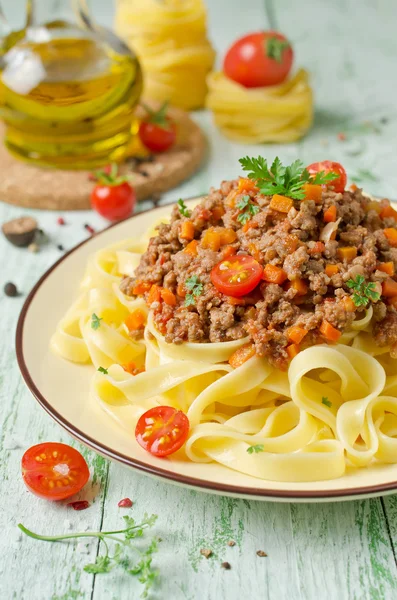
<point x="183" y="209"/>
<point x="255" y="449"/>
<point x="275" y="48"/>
<point x="95" y="321"/>
<point x="121" y="557"/>
<point x="363" y="292"/>
<point x="287" y="181"/>
<point x="324" y="400"/>
<point x="103" y="370"/>
<point x="247" y="209"/>
<point x="195" y="287"/>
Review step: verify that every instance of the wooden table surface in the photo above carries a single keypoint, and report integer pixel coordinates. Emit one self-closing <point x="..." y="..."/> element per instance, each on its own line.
<point x="335" y="551"/>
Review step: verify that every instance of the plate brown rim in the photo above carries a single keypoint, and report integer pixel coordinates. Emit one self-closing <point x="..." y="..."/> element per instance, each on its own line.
<point x="154" y="470"/>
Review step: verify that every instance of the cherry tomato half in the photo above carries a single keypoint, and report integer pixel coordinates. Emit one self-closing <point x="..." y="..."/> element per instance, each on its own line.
<point x="259" y="59"/>
<point x="237" y="276"/>
<point x="54" y="471"/>
<point x="162" y="430"/>
<point x="157" y="138"/>
<point x="114" y="202"/>
<point x="327" y="166"/>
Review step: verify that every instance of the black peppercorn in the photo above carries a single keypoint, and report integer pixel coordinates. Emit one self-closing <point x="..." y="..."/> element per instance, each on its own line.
<point x="10" y="289"/>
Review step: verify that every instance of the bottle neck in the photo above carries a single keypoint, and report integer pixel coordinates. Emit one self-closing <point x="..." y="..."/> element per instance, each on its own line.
<point x="44" y="12"/>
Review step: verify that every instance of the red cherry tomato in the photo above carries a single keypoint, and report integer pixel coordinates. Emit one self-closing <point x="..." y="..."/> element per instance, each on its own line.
<point x="54" y="471"/>
<point x="162" y="430"/>
<point x="259" y="59"/>
<point x="327" y="166"/>
<point x="237" y="276"/>
<point x="157" y="138"/>
<point x="113" y="201"/>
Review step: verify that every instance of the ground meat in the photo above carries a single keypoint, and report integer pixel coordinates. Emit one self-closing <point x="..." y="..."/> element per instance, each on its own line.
<point x="316" y="277"/>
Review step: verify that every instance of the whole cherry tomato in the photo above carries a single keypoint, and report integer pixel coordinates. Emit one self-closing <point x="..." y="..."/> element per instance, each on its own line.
<point x="329" y="166"/>
<point x="54" y="471"/>
<point x="259" y="59"/>
<point x="112" y="197"/>
<point x="237" y="275"/>
<point x="162" y="430"/>
<point x="157" y="131"/>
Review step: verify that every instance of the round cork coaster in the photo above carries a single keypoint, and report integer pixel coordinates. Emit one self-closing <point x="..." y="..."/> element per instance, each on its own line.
<point x="35" y="187"/>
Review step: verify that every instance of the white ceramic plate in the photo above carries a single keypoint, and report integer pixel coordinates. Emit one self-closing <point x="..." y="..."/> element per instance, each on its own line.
<point x="61" y="388"/>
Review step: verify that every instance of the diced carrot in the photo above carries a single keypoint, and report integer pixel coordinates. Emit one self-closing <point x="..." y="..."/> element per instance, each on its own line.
<point x="391" y="235"/>
<point x="180" y="290"/>
<point x="218" y="212"/>
<point x="168" y="297"/>
<point x="330" y="214"/>
<point x="250" y="225"/>
<point x="235" y="301"/>
<point x="211" y="240"/>
<point x="141" y="287"/>
<point x="313" y="192"/>
<point x="246" y="185"/>
<point x="132" y="369"/>
<point x="187" y="230"/>
<point x="281" y="203"/>
<point x="253" y="250"/>
<point x="274" y="274"/>
<point x="329" y="332"/>
<point x="296" y="334"/>
<point x="393" y="301"/>
<point x="331" y="270"/>
<point x="293" y="350"/>
<point x="318" y="248"/>
<point x="241" y="355"/>
<point x="135" y="320"/>
<point x="228" y="236"/>
<point x="231" y="198"/>
<point x="347" y="253"/>
<point x="348" y="304"/>
<point x="228" y="251"/>
<point x="389" y="288"/>
<point x="291" y="243"/>
<point x="300" y="286"/>
<point x="154" y="294"/>
<point x="191" y="248"/>
<point x="353" y="187"/>
<point x="386" y="267"/>
<point x="388" y="211"/>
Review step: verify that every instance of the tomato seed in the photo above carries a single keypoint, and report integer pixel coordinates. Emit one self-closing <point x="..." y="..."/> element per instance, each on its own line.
<point x="79" y="505"/>
<point x="125" y="503"/>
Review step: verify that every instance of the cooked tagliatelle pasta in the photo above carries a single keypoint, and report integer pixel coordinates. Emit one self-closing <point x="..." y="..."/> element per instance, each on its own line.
<point x="279" y="113"/>
<point x="270" y="387"/>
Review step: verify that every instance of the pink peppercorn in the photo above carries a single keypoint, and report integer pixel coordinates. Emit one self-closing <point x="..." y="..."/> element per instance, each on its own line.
<point x="79" y="505"/>
<point x="61" y="221"/>
<point x="125" y="503"/>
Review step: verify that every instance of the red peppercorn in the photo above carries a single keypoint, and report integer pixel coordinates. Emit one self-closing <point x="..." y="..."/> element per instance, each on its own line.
<point x="79" y="504"/>
<point x="61" y="221"/>
<point x="341" y="136"/>
<point x="125" y="503"/>
<point x="90" y="229"/>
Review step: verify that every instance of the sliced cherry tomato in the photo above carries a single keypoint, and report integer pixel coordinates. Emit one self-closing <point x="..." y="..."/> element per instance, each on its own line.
<point x="327" y="166"/>
<point x="112" y="197"/>
<point x="162" y="430"/>
<point x="54" y="471"/>
<point x="157" y="131"/>
<point x="259" y="59"/>
<point x="237" y="276"/>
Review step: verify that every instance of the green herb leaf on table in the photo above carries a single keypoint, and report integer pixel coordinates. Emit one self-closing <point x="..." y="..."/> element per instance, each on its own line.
<point x="195" y="288"/>
<point x="363" y="175"/>
<point x="325" y="401"/>
<point x="275" y="48"/>
<point x="183" y="208"/>
<point x="103" y="370"/>
<point x="255" y="449"/>
<point x="287" y="181"/>
<point x="123" y="549"/>
<point x="247" y="209"/>
<point x="363" y="292"/>
<point x="95" y="321"/>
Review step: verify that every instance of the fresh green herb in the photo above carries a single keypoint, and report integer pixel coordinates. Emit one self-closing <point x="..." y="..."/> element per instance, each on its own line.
<point x="275" y="48"/>
<point x="257" y="448"/>
<point x="95" y="321"/>
<point x="247" y="209"/>
<point x="123" y="538"/>
<point x="288" y="181"/>
<point x="183" y="208"/>
<point x="325" y="401"/>
<point x="110" y="175"/>
<point x="159" y="117"/>
<point x="363" y="175"/>
<point x="103" y="370"/>
<point x="195" y="287"/>
<point x="363" y="292"/>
